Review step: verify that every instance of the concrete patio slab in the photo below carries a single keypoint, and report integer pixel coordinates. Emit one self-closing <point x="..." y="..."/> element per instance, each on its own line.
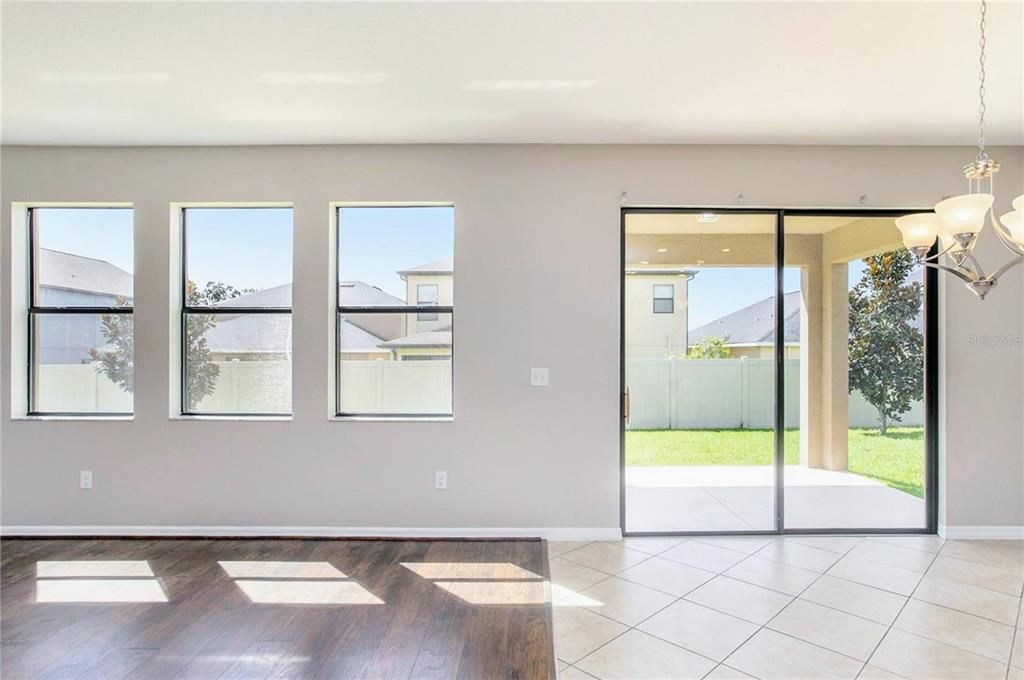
<point x="742" y="498"/>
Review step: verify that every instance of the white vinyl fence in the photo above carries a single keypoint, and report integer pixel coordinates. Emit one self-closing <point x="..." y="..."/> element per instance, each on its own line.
<point x="724" y="394"/>
<point x="77" y="388"/>
<point x="265" y="387"/>
<point x="250" y="387"/>
<point x="666" y="394"/>
<point x="396" y="386"/>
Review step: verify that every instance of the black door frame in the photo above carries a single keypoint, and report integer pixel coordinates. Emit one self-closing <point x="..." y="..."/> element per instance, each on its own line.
<point x="931" y="365"/>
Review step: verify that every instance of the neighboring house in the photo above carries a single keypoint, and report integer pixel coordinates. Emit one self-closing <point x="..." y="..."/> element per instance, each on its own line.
<point x="370" y="336"/>
<point x="67" y="280"/>
<point x="72" y="280"/>
<point x="428" y="336"/>
<point x="656" y="313"/>
<point x="750" y="332"/>
<point x="256" y="337"/>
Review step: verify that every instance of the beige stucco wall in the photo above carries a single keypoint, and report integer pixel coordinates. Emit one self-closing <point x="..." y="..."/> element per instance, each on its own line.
<point x="445" y="296"/>
<point x="538" y="259"/>
<point x="650" y="335"/>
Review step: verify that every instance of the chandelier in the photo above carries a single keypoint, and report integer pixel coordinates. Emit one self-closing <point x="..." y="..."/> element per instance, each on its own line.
<point x="957" y="221"/>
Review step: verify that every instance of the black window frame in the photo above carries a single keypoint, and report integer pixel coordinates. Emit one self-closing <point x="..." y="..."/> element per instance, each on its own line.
<point x="429" y="316"/>
<point x="655" y="299"/>
<point x="341" y="310"/>
<point x="187" y="309"/>
<point x="931" y="374"/>
<point x="36" y="310"/>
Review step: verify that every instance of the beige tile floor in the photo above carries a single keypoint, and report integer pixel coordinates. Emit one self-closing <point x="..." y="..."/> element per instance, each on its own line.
<point x="794" y="607"/>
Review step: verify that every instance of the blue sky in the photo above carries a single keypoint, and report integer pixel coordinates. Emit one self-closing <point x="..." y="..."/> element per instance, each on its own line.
<point x="717" y="291"/>
<point x="375" y="242"/>
<point x="242" y="247"/>
<point x="252" y="248"/>
<point x="100" y="233"/>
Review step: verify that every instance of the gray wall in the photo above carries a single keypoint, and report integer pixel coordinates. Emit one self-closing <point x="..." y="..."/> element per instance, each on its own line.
<point x="537" y="284"/>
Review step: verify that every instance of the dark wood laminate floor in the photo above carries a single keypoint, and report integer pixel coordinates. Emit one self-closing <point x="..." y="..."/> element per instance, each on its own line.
<point x="176" y="608"/>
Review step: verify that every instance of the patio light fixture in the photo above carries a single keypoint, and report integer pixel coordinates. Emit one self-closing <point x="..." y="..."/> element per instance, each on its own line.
<point x="957" y="221"/>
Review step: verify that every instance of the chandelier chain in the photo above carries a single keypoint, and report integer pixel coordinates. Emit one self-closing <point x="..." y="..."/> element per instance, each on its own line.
<point x="981" y="85"/>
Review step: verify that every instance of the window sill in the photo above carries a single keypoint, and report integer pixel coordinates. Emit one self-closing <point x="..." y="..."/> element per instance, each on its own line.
<point x="391" y="419"/>
<point x="238" y="418"/>
<point x="84" y="418"/>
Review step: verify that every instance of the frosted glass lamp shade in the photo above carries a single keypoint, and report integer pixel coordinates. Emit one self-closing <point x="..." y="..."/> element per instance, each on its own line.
<point x="1018" y="203"/>
<point x="964" y="214"/>
<point x="946" y="240"/>
<point x="1014" y="223"/>
<point x="919" y="230"/>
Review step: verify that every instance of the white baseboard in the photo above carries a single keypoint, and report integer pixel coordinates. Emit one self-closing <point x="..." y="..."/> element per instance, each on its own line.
<point x="980" y="532"/>
<point x="553" y="533"/>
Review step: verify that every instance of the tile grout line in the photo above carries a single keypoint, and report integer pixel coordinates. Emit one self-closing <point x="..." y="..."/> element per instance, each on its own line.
<point x="1013" y="638"/>
<point x="717" y="663"/>
<point x="795" y="598"/>
<point x="765" y="624"/>
<point x="728" y="509"/>
<point x="673" y="602"/>
<point x="757" y="553"/>
<point x="900" y="613"/>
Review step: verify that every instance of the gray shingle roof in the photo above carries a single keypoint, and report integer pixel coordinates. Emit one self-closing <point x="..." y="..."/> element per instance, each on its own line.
<point x="276" y="296"/>
<point x="442" y="266"/>
<point x="350" y="294"/>
<point x="439" y="338"/>
<point x="754" y="324"/>
<point x="58" y="269"/>
<point x="352" y="338"/>
<point x="251" y="334"/>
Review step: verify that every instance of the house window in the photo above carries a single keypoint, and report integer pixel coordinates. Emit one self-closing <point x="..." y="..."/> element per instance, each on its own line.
<point x="664" y="299"/>
<point x="80" y="330"/>
<point x="426" y="296"/>
<point x="236" y="324"/>
<point x="394" y="311"/>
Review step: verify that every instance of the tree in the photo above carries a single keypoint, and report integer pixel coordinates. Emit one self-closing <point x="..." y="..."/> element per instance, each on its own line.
<point x="117" y="359"/>
<point x="886" y="349"/>
<point x="712" y="347"/>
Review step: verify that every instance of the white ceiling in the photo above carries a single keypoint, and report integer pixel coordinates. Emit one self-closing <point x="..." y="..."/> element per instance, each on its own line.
<point x="715" y="72"/>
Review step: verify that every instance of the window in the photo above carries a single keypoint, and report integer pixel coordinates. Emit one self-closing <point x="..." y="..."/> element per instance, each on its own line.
<point x="80" y="331"/>
<point x="394" y="312"/>
<point x="236" y="324"/>
<point x="426" y="296"/>
<point x="664" y="299"/>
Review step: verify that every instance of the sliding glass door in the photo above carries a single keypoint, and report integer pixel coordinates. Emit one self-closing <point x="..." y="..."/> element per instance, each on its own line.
<point x="698" y="355"/>
<point x="855" y="448"/>
<point x="775" y="373"/>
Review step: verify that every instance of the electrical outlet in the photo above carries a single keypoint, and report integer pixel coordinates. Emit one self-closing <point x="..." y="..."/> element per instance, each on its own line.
<point x="538" y="377"/>
<point x="440" y="479"/>
<point x="85" y="479"/>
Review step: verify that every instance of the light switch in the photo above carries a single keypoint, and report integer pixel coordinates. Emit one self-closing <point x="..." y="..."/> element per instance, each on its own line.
<point x="539" y="377"/>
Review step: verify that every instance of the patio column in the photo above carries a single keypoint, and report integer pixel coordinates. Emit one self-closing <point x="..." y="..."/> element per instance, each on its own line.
<point x="834" y="393"/>
<point x="810" y="386"/>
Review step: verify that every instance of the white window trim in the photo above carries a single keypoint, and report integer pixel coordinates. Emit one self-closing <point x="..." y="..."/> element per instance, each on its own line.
<point x="332" y="312"/>
<point x="176" y="271"/>
<point x="19" y="306"/>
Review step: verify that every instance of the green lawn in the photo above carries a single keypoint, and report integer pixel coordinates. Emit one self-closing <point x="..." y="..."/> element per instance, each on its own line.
<point x="896" y="459"/>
